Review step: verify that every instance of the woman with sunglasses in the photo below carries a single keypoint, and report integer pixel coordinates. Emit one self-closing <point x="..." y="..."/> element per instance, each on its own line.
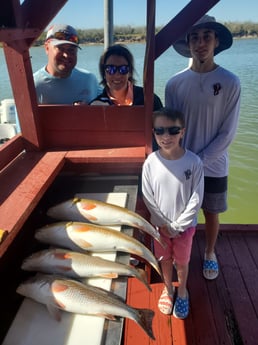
<point x="116" y="67"/>
<point x="172" y="186"/>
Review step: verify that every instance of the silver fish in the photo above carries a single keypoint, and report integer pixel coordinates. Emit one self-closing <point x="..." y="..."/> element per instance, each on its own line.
<point x="93" y="238"/>
<point x="59" y="293"/>
<point x="102" y="213"/>
<point x="79" y="265"/>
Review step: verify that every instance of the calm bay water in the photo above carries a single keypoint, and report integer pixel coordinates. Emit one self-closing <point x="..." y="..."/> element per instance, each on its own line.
<point x="241" y="59"/>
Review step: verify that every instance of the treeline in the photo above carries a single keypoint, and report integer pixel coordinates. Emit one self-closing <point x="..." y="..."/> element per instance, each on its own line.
<point x="245" y="29"/>
<point x="138" y="34"/>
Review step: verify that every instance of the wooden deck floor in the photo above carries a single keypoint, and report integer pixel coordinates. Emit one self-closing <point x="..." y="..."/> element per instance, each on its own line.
<point x="224" y="311"/>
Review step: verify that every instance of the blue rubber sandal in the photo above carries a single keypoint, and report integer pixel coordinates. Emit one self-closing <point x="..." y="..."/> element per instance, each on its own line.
<point x="181" y="307"/>
<point x="210" y="267"/>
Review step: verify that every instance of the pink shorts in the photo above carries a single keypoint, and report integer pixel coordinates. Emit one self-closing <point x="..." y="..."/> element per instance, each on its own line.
<point x="178" y="249"/>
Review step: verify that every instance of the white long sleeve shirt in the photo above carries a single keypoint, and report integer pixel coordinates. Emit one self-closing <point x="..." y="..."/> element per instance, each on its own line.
<point x="173" y="189"/>
<point x="210" y="103"/>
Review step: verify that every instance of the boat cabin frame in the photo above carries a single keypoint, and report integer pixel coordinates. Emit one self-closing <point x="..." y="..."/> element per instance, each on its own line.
<point x="60" y="140"/>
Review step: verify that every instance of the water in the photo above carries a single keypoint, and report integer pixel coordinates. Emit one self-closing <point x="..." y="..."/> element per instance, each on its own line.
<point x="241" y="59"/>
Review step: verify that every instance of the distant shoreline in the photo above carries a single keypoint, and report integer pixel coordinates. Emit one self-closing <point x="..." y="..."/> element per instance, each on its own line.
<point x="136" y="41"/>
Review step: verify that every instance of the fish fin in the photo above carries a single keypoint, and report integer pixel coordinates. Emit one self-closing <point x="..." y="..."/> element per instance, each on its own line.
<point x="54" y="311"/>
<point x="108" y="275"/>
<point x="162" y="243"/>
<point x="59" y="287"/>
<point x="142" y="276"/>
<point x="62" y="256"/>
<point x="85" y="206"/>
<point x="88" y="205"/>
<point x="107" y="316"/>
<point x="81" y="227"/>
<point x="64" y="268"/>
<point x="90" y="217"/>
<point x="83" y="244"/>
<point x="145" y="321"/>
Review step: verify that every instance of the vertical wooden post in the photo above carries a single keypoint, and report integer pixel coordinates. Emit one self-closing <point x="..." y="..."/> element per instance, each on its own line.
<point x="148" y="73"/>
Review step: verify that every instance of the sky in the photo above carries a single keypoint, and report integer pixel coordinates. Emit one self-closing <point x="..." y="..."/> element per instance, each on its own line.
<point x="88" y="14"/>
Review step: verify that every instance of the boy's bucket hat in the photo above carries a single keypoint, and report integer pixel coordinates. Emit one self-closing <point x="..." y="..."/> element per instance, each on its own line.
<point x="223" y="34"/>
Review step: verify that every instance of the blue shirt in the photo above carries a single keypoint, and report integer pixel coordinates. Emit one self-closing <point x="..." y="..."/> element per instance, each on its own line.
<point x="81" y="85"/>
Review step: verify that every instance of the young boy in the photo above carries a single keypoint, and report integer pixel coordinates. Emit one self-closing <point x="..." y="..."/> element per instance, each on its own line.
<point x="172" y="186"/>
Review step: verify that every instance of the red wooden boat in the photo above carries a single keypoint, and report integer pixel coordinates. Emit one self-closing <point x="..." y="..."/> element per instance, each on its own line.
<point x="66" y="149"/>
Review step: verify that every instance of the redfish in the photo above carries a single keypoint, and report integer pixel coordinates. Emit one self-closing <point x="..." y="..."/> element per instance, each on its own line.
<point x="102" y="213"/>
<point x="79" y="265"/>
<point x="93" y="238"/>
<point x="59" y="293"/>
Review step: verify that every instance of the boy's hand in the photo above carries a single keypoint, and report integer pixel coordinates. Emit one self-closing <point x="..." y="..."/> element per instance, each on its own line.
<point x="168" y="231"/>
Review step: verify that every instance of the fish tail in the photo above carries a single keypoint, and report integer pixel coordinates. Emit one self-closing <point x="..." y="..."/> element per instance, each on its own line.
<point x="142" y="276"/>
<point x="157" y="269"/>
<point x="145" y="317"/>
<point x="162" y="242"/>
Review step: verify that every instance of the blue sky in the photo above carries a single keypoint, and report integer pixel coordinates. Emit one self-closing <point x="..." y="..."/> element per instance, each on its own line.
<point x="83" y="15"/>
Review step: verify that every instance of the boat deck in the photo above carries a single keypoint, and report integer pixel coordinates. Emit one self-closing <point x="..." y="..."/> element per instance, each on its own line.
<point x="224" y="311"/>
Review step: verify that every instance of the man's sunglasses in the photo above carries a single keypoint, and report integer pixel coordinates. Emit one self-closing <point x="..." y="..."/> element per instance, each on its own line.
<point x="65" y="37"/>
<point x="112" y="69"/>
<point x="170" y="130"/>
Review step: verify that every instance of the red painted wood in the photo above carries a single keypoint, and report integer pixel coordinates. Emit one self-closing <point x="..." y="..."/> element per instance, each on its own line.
<point x="223" y="311"/>
<point x="127" y="160"/>
<point x="92" y="126"/>
<point x="167" y="329"/>
<point x="139" y="297"/>
<point x="10" y="150"/>
<point x="20" y="72"/>
<point x="23" y="183"/>
<point x="113" y="155"/>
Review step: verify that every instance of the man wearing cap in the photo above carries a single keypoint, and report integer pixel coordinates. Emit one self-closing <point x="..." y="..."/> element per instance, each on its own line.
<point x="209" y="97"/>
<point x="59" y="82"/>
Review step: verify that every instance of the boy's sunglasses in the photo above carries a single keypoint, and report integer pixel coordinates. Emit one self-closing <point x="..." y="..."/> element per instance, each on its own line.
<point x="170" y="130"/>
<point x="65" y="37"/>
<point x="112" y="69"/>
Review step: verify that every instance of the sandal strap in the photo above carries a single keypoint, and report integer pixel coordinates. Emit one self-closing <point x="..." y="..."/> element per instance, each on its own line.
<point x="181" y="308"/>
<point x="210" y="265"/>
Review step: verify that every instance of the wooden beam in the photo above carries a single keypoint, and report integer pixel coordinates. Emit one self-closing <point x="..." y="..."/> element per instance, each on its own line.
<point x="21" y="77"/>
<point x="170" y="33"/>
<point x="39" y="13"/>
<point x="22" y="24"/>
<point x="9" y="35"/>
<point x="148" y="73"/>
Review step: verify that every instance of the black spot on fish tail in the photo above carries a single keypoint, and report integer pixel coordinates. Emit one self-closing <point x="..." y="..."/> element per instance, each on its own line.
<point x="145" y="321"/>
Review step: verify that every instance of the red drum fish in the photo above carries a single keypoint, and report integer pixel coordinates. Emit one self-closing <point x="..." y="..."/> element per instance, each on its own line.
<point x="80" y="265"/>
<point x="59" y="293"/>
<point x="93" y="238"/>
<point x="102" y="213"/>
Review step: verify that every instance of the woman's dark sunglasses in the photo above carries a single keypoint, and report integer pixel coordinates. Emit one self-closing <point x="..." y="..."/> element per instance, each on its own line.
<point x="170" y="130"/>
<point x="112" y="69"/>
